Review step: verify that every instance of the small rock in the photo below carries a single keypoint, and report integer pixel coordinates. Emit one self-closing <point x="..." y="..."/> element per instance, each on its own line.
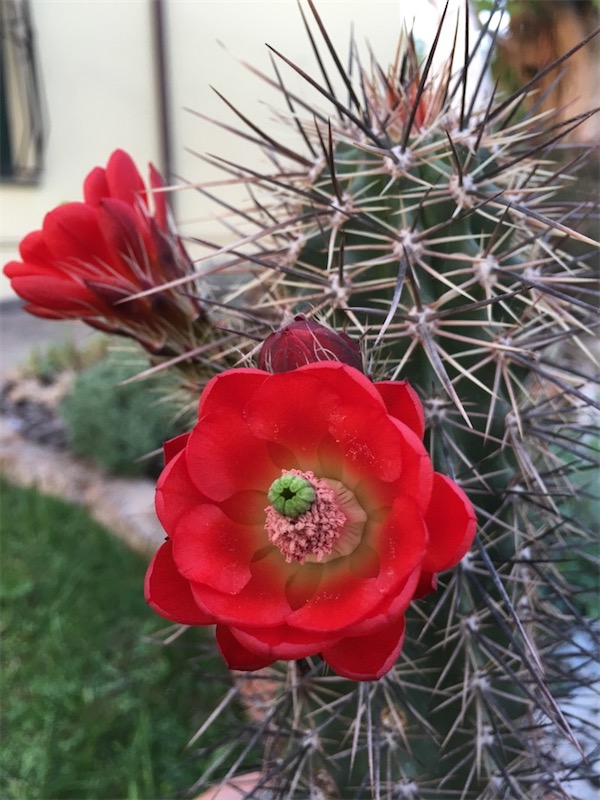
<point x="125" y="507"/>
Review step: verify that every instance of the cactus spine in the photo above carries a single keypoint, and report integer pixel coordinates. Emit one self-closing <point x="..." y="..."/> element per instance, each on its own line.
<point x="429" y="224"/>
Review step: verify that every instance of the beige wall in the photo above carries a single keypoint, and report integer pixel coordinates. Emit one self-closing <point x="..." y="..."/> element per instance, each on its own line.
<point x="96" y="64"/>
<point x="243" y="27"/>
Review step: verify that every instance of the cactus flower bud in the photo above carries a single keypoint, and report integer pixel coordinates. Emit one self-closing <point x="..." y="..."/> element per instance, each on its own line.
<point x="304" y="341"/>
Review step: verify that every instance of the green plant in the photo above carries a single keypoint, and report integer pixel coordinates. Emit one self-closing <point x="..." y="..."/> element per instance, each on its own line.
<point x="91" y="706"/>
<point x="416" y="213"/>
<point x="117" y="422"/>
<point x="47" y="363"/>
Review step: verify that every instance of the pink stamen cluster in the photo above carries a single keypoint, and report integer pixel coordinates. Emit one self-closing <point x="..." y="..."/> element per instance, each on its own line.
<point x="312" y="533"/>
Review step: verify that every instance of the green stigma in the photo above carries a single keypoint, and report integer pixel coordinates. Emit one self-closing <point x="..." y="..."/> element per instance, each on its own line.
<point x="291" y="495"/>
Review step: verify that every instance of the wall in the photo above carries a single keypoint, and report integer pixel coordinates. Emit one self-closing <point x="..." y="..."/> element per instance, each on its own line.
<point x="209" y="41"/>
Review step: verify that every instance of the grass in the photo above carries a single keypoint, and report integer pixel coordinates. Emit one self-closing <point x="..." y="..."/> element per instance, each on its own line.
<point x="91" y="708"/>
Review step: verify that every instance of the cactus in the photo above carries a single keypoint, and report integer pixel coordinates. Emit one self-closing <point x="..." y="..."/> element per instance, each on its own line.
<point x="427" y="221"/>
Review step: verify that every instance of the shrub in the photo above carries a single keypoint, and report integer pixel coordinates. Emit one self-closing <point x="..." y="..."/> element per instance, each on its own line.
<point x="117" y="425"/>
<point x="48" y="363"/>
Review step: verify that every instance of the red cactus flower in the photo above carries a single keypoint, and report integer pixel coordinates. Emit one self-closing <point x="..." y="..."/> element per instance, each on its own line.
<point x="304" y="341"/>
<point x="303" y="516"/>
<point x="91" y="256"/>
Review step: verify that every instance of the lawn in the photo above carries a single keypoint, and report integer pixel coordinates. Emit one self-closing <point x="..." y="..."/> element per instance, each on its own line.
<point x="92" y="709"/>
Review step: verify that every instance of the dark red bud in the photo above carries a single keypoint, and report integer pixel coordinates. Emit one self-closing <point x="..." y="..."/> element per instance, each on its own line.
<point x="304" y="342"/>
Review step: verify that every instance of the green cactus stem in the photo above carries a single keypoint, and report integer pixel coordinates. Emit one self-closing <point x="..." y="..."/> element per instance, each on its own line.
<point x="432" y="228"/>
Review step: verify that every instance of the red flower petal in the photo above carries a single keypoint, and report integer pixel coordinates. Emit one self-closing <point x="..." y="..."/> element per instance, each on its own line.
<point x="73" y="236"/>
<point x="34" y="249"/>
<point x="303" y="585"/>
<point x="231" y="390"/>
<point x="452" y="524"/>
<point x="245" y="508"/>
<point x="403" y="402"/>
<point x="417" y="469"/>
<point x="223" y="457"/>
<point x="63" y="296"/>
<point x="368" y="442"/>
<point x="175" y="493"/>
<point x="209" y="548"/>
<point x="391" y="609"/>
<point x="426" y="585"/>
<point x="400" y="540"/>
<point x="174" y="446"/>
<point x="347" y="380"/>
<point x="366" y="658"/>
<point x="47" y="313"/>
<point x="291" y="409"/>
<point x="95" y="187"/>
<point x="341" y="600"/>
<point x="284" y="642"/>
<point x="236" y="656"/>
<point x="122" y="230"/>
<point x="262" y="603"/>
<point x="124" y="180"/>
<point x="169" y="594"/>
<point x="18" y="270"/>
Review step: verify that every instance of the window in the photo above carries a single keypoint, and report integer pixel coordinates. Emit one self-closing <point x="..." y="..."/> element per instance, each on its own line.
<point x="21" y="117"/>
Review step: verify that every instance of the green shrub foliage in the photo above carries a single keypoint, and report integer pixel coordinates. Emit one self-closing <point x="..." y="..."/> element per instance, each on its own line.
<point x="118" y="425"/>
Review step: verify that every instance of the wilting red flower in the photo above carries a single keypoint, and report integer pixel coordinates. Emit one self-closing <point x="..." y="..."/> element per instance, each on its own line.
<point x="303" y="516"/>
<point x="91" y="256"/>
<point x="304" y="341"/>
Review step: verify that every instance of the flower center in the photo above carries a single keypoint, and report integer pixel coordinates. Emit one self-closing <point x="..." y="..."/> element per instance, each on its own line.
<point x="313" y="519"/>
